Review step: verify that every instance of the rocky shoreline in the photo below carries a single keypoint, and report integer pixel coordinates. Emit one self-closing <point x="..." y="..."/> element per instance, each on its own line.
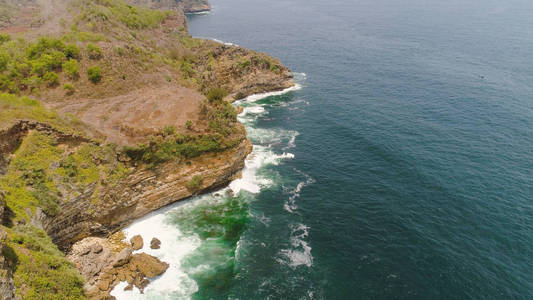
<point x="85" y="186"/>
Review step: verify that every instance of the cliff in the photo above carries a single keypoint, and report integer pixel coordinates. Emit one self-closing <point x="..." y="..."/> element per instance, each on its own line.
<point x="108" y="111"/>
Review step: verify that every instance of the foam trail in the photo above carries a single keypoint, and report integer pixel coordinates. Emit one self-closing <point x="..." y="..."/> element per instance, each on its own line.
<point x="222" y="42"/>
<point x="290" y="205"/>
<point x="204" y="12"/>
<point x="300" y="253"/>
<point x="256" y="97"/>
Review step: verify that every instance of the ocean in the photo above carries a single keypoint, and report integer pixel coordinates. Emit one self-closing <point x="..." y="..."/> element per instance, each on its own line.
<point x="399" y="167"/>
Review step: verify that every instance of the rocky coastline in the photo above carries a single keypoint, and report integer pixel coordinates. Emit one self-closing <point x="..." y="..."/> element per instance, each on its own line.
<point x="92" y="181"/>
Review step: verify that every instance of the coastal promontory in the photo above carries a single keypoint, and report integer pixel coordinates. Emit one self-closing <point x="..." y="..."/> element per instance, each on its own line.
<point x="109" y="110"/>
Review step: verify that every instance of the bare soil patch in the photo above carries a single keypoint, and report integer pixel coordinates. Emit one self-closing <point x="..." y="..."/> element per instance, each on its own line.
<point x="131" y="118"/>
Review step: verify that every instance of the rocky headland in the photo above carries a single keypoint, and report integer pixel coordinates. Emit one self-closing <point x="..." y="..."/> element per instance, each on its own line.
<point x="109" y="110"/>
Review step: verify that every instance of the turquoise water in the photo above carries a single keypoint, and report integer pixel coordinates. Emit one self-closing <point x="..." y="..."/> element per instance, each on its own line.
<point x="402" y="168"/>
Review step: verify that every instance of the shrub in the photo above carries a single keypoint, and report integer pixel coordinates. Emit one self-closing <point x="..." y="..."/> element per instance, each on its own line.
<point x="70" y="67"/>
<point x="72" y="51"/>
<point x="222" y="118"/>
<point x="188" y="124"/>
<point x="187" y="69"/>
<point x="245" y="64"/>
<point x="69" y="88"/>
<point x="94" y="51"/>
<point x="95" y="74"/>
<point x="120" y="51"/>
<point x="4" y="61"/>
<point x="4" y="38"/>
<point x="51" y="78"/>
<point x="216" y="95"/>
<point x="44" y="45"/>
<point x="32" y="82"/>
<point x="6" y="84"/>
<point x="169" y="130"/>
<point x="194" y="184"/>
<point x="47" y="62"/>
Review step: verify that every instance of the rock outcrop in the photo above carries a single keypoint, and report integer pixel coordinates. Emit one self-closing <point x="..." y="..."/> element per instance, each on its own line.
<point x="144" y="190"/>
<point x="137" y="242"/>
<point x="7" y="286"/>
<point x="155" y="243"/>
<point x="105" y="262"/>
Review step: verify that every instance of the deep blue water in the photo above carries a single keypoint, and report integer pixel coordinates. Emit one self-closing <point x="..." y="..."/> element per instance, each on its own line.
<point x="414" y="149"/>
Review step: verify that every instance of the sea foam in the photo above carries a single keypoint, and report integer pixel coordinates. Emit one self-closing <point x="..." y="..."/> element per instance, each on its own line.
<point x="300" y="252"/>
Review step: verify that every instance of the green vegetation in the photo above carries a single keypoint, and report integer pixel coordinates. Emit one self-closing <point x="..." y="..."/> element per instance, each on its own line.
<point x="30" y="168"/>
<point x="72" y="52"/>
<point x="51" y="78"/>
<point x="216" y="95"/>
<point x="40" y="267"/>
<point x="187" y="68"/>
<point x="94" y="52"/>
<point x="43" y="174"/>
<point x="69" y="88"/>
<point x="82" y="36"/>
<point x="95" y="74"/>
<point x="222" y="118"/>
<point x="118" y="11"/>
<point x="4" y="38"/>
<point x="169" y="130"/>
<point x="178" y="146"/>
<point x="21" y="108"/>
<point x="245" y="64"/>
<point x="194" y="184"/>
<point x="188" y="124"/>
<point x="71" y="68"/>
<point x="26" y="66"/>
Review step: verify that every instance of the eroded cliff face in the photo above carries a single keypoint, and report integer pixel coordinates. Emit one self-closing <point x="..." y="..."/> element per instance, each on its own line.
<point x="188" y="6"/>
<point x="145" y="189"/>
<point x="101" y="207"/>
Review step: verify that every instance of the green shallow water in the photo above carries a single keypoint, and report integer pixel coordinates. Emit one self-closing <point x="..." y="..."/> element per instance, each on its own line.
<point x="219" y="224"/>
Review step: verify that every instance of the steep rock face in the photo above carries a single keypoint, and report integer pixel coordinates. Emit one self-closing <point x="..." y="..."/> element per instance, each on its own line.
<point x="195" y="6"/>
<point x="11" y="137"/>
<point x="187" y="6"/>
<point x="7" y="286"/>
<point x="144" y="190"/>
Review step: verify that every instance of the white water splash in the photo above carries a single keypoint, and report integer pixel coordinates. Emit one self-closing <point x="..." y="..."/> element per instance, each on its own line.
<point x="290" y="205"/>
<point x="204" y="12"/>
<point x="300" y="252"/>
<point x="256" y="97"/>
<point x="174" y="247"/>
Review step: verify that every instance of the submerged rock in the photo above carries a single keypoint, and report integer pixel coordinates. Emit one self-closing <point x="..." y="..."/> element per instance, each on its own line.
<point x="155" y="243"/>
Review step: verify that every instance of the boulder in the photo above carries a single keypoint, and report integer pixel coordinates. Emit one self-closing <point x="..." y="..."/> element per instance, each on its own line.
<point x="137" y="242"/>
<point x="155" y="243"/>
<point x="148" y="265"/>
